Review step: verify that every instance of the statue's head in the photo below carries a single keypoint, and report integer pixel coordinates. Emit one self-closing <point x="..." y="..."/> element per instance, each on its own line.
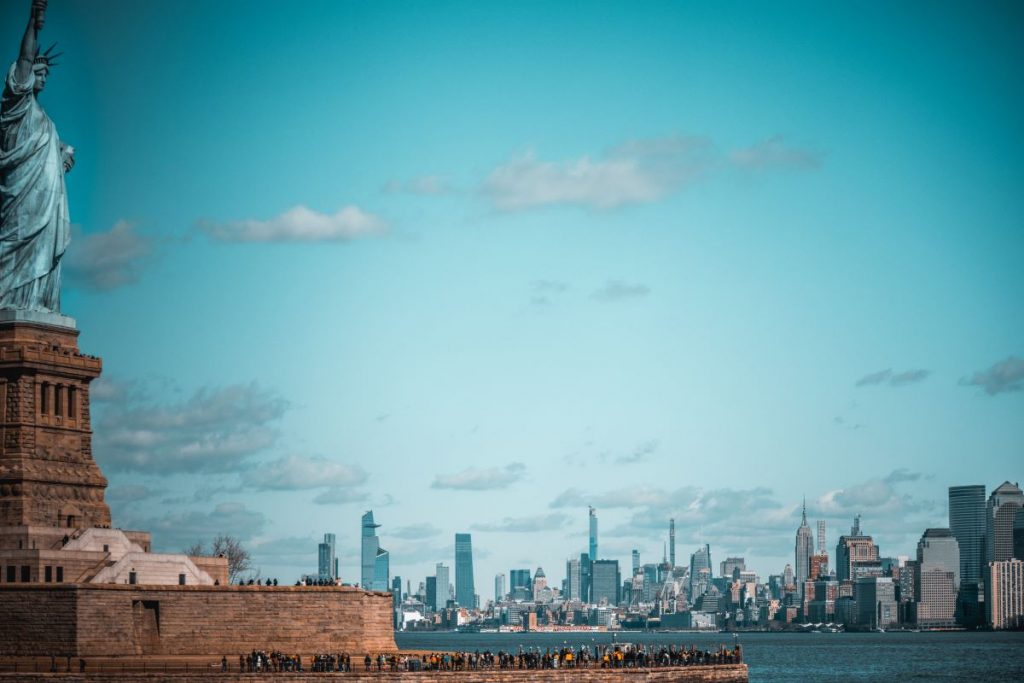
<point x="41" y="66"/>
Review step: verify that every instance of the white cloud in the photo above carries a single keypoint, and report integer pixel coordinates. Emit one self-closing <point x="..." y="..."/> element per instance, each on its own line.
<point x="213" y="431"/>
<point x="299" y="224"/>
<point x="178" y="530"/>
<point x="637" y="172"/>
<point x="129" y="493"/>
<point x="107" y="260"/>
<point x="893" y="379"/>
<point x="537" y="523"/>
<point x="774" y="152"/>
<point x="296" y="472"/>
<point x="340" y="496"/>
<point x="1003" y="377"/>
<point x="475" y="479"/>
<point x="415" y="531"/>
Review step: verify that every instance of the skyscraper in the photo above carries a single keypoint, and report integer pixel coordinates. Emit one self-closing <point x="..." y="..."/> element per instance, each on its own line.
<point x="804" y="550"/>
<point x="636" y="561"/>
<point x="499" y="587"/>
<point x="375" y="561"/>
<point x="1000" y="517"/>
<point x="593" y="534"/>
<point x="444" y="585"/>
<point x="606" y="581"/>
<point x="1018" y="535"/>
<point x="465" y="592"/>
<point x="730" y="565"/>
<point x="821" y="537"/>
<point x="396" y="589"/>
<point x="520" y="584"/>
<point x="1005" y="588"/>
<point x="432" y="593"/>
<point x="574" y="579"/>
<point x="540" y="582"/>
<point x="700" y="572"/>
<point x="967" y="522"/>
<point x="328" y="560"/>
<point x="586" y="568"/>
<point x="672" y="542"/>
<point x="650" y="582"/>
<point x="875" y="601"/>
<point x="937" y="578"/>
<point x="854" y="552"/>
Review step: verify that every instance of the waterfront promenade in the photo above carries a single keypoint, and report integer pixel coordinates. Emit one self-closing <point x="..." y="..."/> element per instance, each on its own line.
<point x="206" y="668"/>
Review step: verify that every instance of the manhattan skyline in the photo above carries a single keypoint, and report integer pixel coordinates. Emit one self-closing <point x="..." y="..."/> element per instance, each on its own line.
<point x="511" y="262"/>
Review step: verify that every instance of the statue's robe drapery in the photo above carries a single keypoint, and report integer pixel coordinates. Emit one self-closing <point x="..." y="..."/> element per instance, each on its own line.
<point x="34" y="223"/>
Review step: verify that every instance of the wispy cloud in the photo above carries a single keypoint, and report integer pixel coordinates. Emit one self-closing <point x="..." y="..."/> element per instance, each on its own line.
<point x="533" y="524"/>
<point x="298" y="472"/>
<point x="415" y="531"/>
<point x="893" y="379"/>
<point x="774" y="152"/>
<point x="476" y="479"/>
<point x="617" y="290"/>
<point x="108" y="389"/>
<point x="213" y="431"/>
<point x="289" y="551"/>
<point x="909" y="377"/>
<point x="129" y="493"/>
<point x="754" y="519"/>
<point x="544" y="291"/>
<point x="178" y="530"/>
<point x="639" y="454"/>
<point x="106" y="260"/>
<point x="428" y="185"/>
<point x="340" y="496"/>
<point x="1004" y="377"/>
<point x="299" y="224"/>
<point x="636" y="172"/>
<point x="877" y="496"/>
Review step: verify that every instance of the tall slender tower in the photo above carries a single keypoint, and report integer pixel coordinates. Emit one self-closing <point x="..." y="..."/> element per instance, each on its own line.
<point x="804" y="550"/>
<point x="593" y="534"/>
<point x="821" y="537"/>
<point x="465" y="588"/>
<point x="672" y="541"/>
<point x="967" y="522"/>
<point x="374" y="561"/>
<point x="328" y="559"/>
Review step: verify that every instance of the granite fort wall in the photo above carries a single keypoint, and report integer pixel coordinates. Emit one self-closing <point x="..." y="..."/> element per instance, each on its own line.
<point x="115" y="620"/>
<point x="726" y="673"/>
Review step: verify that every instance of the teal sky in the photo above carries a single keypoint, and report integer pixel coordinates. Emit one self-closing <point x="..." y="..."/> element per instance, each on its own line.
<point x="667" y="259"/>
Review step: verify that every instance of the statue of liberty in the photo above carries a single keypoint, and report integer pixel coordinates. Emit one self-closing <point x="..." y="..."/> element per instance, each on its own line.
<point x="34" y="222"/>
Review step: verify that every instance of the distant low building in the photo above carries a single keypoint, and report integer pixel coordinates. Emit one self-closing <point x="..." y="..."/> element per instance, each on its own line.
<point x="875" y="600"/>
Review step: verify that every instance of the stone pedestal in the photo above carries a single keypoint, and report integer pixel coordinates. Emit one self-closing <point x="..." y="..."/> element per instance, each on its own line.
<point x="48" y="477"/>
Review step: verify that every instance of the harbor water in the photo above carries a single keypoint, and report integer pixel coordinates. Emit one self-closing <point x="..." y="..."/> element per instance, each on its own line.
<point x="778" y="657"/>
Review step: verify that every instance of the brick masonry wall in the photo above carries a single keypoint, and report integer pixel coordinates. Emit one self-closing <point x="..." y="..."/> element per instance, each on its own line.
<point x="732" y="673"/>
<point x="99" y="620"/>
<point x="37" y="621"/>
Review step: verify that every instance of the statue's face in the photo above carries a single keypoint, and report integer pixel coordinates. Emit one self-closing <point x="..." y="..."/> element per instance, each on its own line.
<point x="41" y="71"/>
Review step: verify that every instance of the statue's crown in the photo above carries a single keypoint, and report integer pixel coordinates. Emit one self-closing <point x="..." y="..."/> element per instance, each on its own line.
<point x="47" y="58"/>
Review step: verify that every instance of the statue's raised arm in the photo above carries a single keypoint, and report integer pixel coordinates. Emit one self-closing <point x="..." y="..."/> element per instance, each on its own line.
<point x="34" y="222"/>
<point x="30" y="41"/>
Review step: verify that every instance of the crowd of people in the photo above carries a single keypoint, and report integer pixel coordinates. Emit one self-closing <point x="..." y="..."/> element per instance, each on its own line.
<point x="600" y="656"/>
